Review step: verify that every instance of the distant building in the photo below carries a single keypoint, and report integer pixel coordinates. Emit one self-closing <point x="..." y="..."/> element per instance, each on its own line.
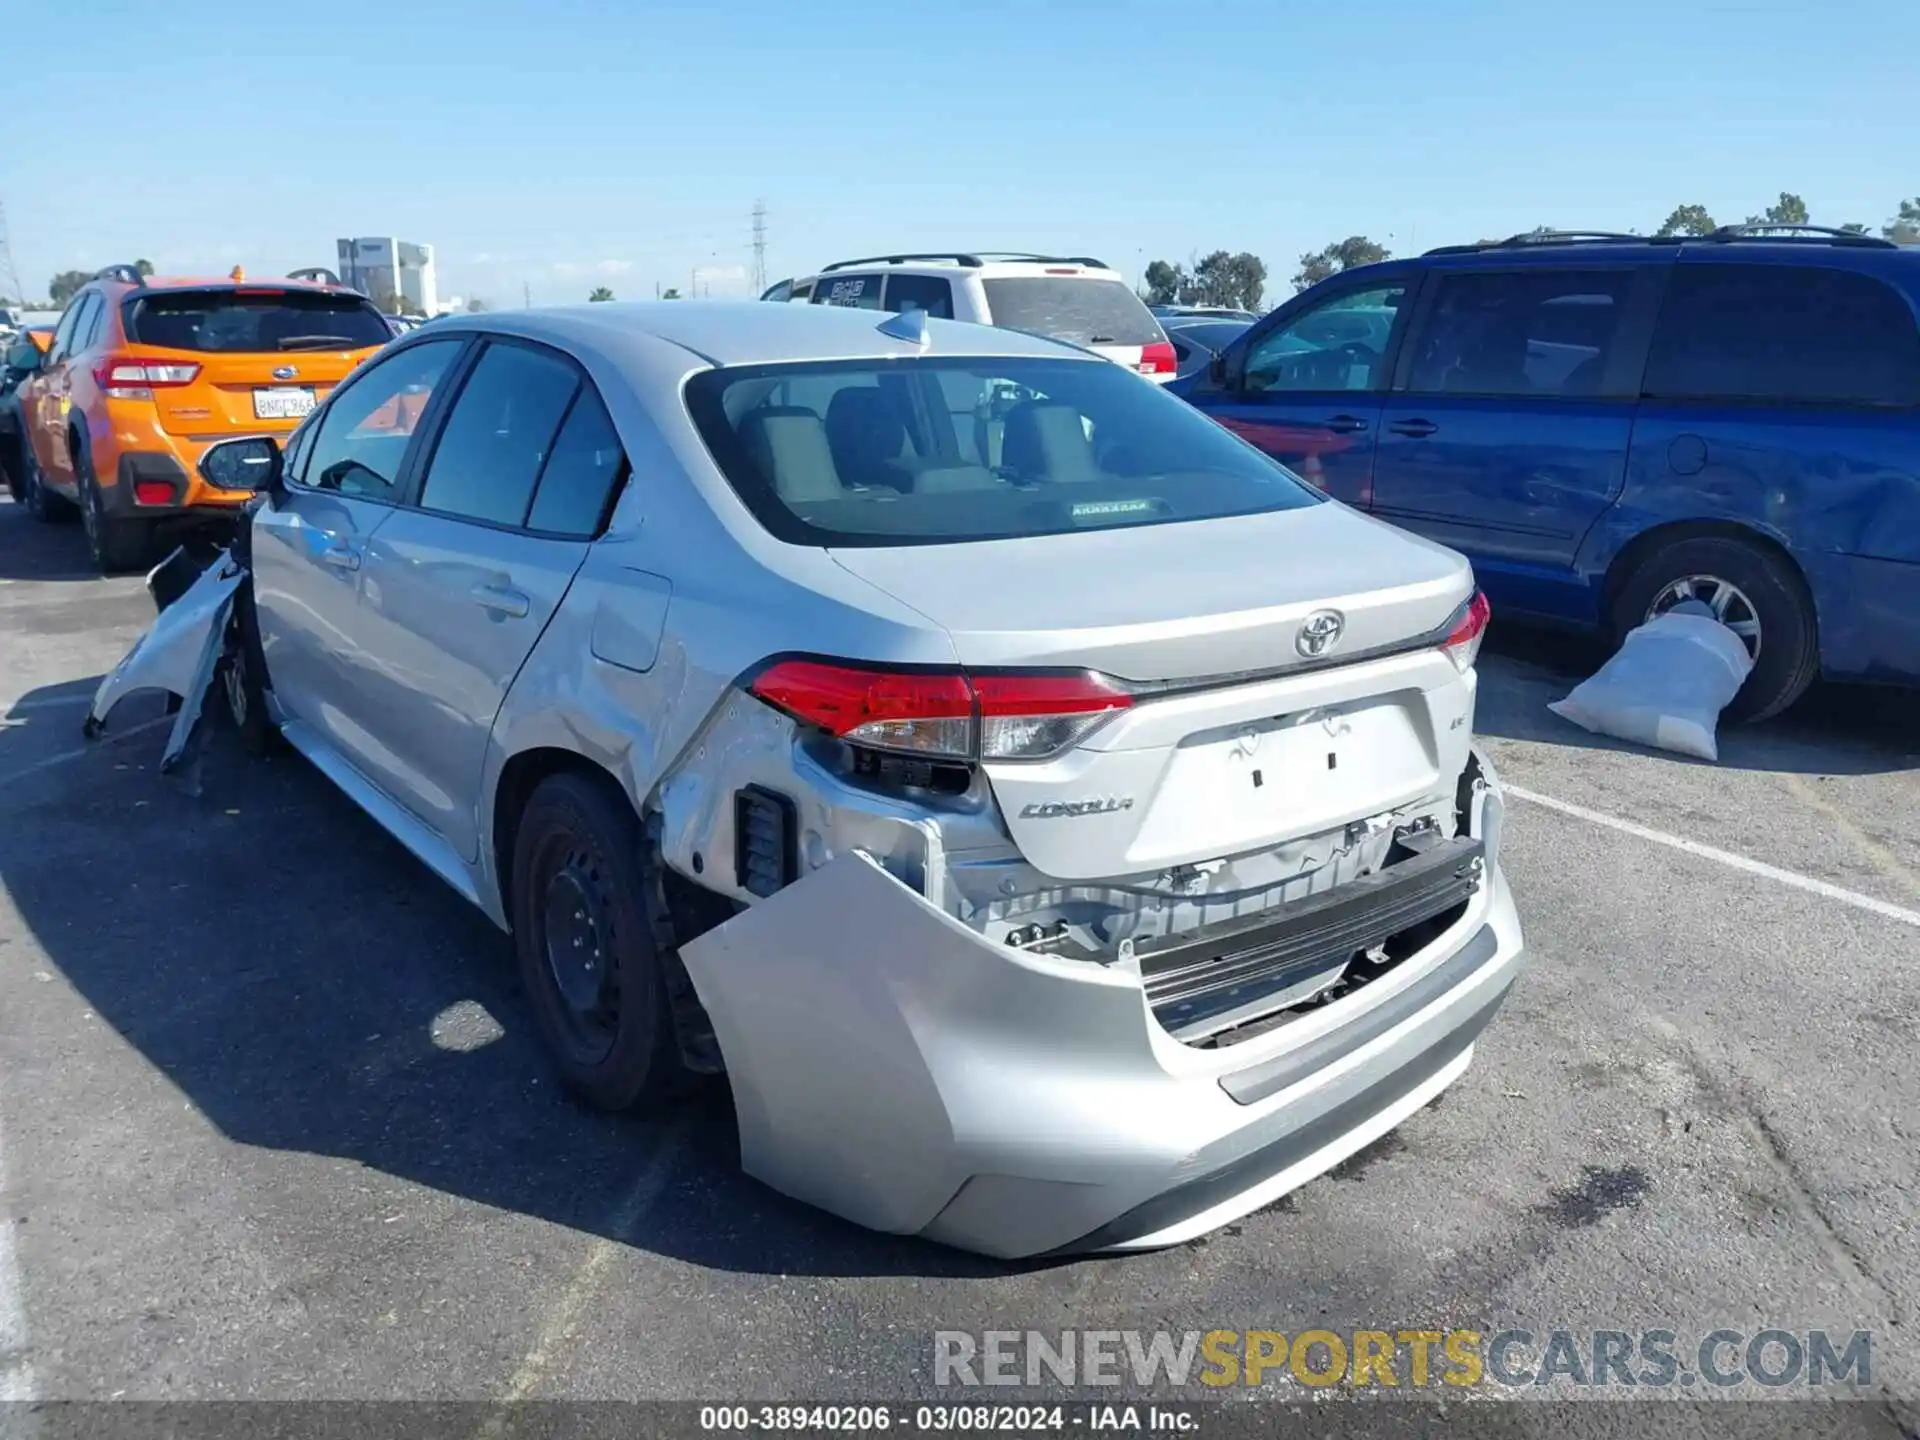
<point x="387" y="269"/>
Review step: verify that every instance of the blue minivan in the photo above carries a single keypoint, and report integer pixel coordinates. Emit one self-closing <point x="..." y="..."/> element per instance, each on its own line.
<point x="1607" y="424"/>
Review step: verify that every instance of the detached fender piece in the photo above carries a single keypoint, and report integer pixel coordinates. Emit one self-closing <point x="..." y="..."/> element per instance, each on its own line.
<point x="178" y="655"/>
<point x="892" y="1066"/>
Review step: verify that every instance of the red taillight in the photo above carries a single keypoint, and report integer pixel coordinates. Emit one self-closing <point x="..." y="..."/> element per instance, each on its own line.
<point x="1062" y="270"/>
<point x="125" y="378"/>
<point x="1463" y="640"/>
<point x="152" y="492"/>
<point x="943" y="713"/>
<point x="1158" y="358"/>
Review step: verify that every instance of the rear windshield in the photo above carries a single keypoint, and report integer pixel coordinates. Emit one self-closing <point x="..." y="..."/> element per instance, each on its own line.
<point x="1084" y="312"/>
<point x="940" y="451"/>
<point x="241" y="321"/>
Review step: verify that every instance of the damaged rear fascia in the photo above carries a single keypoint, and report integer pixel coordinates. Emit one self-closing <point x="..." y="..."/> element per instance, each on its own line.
<point x="179" y="655"/>
<point x="954" y="852"/>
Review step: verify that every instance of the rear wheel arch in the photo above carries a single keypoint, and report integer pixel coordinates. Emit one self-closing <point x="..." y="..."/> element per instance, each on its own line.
<point x="520" y="776"/>
<point x="1769" y="587"/>
<point x="1637" y="551"/>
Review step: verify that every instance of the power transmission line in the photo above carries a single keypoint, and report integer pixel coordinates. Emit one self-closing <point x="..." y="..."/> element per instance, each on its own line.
<point x="759" y="246"/>
<point x="7" y="273"/>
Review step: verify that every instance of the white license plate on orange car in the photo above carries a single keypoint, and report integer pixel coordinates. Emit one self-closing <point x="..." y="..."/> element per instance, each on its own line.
<point x="286" y="402"/>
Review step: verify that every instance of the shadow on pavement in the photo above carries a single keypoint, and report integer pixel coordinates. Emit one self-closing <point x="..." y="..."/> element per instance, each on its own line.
<point x="31" y="550"/>
<point x="310" y="987"/>
<point x="1833" y="730"/>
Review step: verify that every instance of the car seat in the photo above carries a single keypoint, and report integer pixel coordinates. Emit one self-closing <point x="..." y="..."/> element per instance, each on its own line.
<point x="1046" y="440"/>
<point x="788" y="445"/>
<point x="868" y="437"/>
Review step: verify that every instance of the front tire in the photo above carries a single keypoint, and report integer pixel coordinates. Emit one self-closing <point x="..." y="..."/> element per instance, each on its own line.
<point x="584" y="907"/>
<point x="1764" y="601"/>
<point x="42" y="504"/>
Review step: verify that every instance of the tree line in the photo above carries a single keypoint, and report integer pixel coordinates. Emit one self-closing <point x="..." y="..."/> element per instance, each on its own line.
<point x="1239" y="281"/>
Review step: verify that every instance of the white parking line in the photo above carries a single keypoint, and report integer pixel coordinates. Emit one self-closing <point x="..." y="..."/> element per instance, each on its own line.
<point x="1885" y="908"/>
<point x="16" y="1375"/>
<point x="49" y="761"/>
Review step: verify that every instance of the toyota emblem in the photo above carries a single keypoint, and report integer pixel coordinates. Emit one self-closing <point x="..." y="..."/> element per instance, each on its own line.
<point x="1320" y="632"/>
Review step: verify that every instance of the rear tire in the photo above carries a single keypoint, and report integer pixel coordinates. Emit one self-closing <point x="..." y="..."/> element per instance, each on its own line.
<point x="116" y="546"/>
<point x="1788" y="639"/>
<point x="586" y="935"/>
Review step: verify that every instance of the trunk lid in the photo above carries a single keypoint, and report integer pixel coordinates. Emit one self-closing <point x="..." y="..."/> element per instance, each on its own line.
<point x="265" y="356"/>
<point x="1237" y="740"/>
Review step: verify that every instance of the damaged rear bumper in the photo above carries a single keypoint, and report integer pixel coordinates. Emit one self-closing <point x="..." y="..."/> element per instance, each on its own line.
<point x="892" y="1066"/>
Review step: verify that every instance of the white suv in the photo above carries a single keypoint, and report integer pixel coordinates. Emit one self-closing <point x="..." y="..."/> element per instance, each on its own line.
<point x="1073" y="298"/>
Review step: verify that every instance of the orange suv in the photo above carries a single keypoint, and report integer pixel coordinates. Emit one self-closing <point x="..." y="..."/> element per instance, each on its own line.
<point x="143" y="374"/>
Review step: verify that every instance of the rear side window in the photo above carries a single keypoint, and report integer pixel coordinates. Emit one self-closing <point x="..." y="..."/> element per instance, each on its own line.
<point x="1079" y="311"/>
<point x="920" y="292"/>
<point x="1537" y="333"/>
<point x="498" y="435"/>
<point x="582" y="472"/>
<point x="944" y="450"/>
<point x="860" y="292"/>
<point x="1786" y="333"/>
<point x="253" y="321"/>
<point x="86" y="332"/>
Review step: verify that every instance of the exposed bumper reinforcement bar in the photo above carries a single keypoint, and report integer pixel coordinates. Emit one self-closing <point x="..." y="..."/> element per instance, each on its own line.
<point x="1190" y="978"/>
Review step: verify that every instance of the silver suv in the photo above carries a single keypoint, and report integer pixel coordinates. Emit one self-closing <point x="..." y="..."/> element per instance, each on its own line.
<point x="1059" y="822"/>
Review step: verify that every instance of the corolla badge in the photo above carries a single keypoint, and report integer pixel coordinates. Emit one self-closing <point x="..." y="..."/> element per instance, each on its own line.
<point x="1319" y="633"/>
<point x="284" y="372"/>
<point x="1056" y="809"/>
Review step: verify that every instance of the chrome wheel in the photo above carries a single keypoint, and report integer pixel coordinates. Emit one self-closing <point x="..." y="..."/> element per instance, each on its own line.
<point x="1729" y="603"/>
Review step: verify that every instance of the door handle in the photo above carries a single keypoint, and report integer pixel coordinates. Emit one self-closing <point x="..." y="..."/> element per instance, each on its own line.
<point x="340" y="557"/>
<point x="502" y="600"/>
<point x="1413" y="429"/>
<point x="1346" y="424"/>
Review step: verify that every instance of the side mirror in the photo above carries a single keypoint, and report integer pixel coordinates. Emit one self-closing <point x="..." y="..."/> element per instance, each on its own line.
<point x="250" y="463"/>
<point x="1217" y="371"/>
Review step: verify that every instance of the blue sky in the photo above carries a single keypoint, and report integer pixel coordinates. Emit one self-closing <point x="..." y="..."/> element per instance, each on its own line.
<point x="559" y="145"/>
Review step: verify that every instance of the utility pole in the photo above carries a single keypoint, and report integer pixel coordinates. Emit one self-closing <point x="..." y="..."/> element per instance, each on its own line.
<point x="759" y="247"/>
<point x="8" y="275"/>
<point x="526" y="296"/>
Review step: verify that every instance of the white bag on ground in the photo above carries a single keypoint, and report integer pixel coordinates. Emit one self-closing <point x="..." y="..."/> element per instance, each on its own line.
<point x="1667" y="684"/>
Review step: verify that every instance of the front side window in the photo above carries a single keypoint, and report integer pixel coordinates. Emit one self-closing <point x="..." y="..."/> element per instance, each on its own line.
<point x="362" y="438"/>
<point x="858" y="292"/>
<point x="920" y="292"/>
<point x="1341" y="345"/>
<point x="1791" y="333"/>
<point x="943" y="450"/>
<point x="498" y="435"/>
<point x="1527" y="333"/>
<point x="63" y="332"/>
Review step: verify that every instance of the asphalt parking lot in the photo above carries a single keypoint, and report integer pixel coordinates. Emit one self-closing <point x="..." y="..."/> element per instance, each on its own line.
<point x="273" y="1121"/>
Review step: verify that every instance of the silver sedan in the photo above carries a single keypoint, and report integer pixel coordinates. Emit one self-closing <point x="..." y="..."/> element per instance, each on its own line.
<point x="1059" y="823"/>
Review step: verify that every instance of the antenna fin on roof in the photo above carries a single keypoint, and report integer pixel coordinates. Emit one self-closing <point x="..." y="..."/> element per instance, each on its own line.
<point x="908" y="325"/>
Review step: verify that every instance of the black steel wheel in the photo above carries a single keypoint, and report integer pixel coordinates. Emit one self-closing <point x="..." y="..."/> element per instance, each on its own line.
<point x="587" y="940"/>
